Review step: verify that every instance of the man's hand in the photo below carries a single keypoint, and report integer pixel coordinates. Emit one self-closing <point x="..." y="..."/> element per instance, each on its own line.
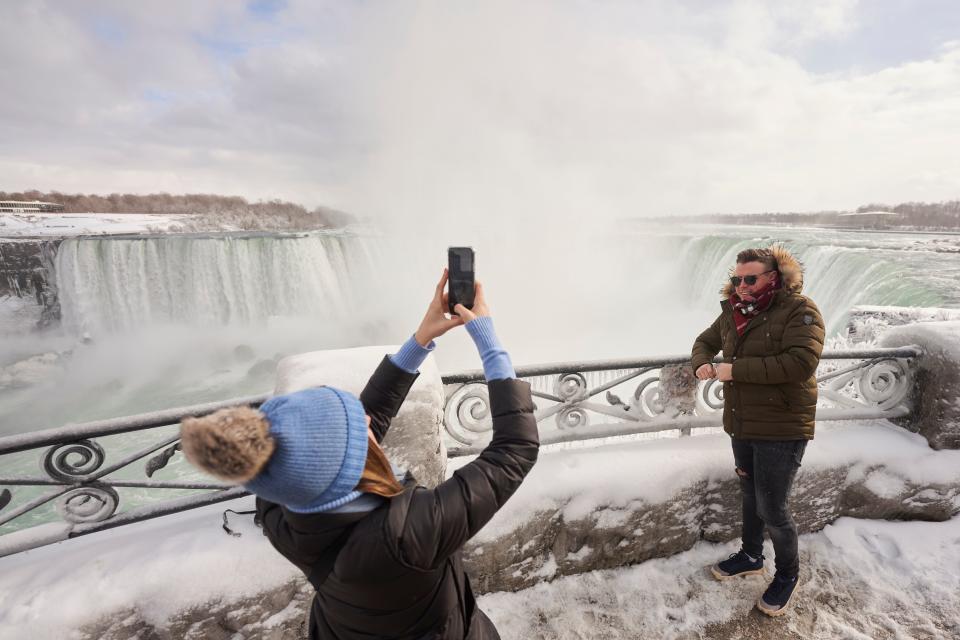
<point x="479" y="305"/>
<point x="724" y="372"/>
<point x="435" y="322"/>
<point x="705" y="372"/>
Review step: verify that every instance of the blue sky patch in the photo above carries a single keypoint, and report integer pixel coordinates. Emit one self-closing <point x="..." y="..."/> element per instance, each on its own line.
<point x="109" y="30"/>
<point x="886" y="35"/>
<point x="266" y="8"/>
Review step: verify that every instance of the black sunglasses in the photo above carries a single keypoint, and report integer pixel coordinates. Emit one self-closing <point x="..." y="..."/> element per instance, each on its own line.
<point x="750" y="280"/>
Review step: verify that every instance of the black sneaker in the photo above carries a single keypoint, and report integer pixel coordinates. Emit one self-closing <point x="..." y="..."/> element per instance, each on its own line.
<point x="738" y="564"/>
<point x="776" y="598"/>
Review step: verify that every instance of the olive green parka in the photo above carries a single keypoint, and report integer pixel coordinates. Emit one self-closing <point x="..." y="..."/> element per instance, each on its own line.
<point x="773" y="394"/>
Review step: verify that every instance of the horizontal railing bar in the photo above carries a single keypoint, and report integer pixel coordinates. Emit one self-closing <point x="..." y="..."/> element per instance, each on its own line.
<point x="476" y="375"/>
<point x="114" y="426"/>
<point x="39" y="501"/>
<point x="145" y="484"/>
<point x="162" y="509"/>
<point x="26" y="539"/>
<point x="884" y="352"/>
<point x="126" y="462"/>
<point x="568" y="367"/>
<point x="594" y="432"/>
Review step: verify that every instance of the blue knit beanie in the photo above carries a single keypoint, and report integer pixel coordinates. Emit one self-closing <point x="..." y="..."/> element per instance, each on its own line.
<point x="321" y="449"/>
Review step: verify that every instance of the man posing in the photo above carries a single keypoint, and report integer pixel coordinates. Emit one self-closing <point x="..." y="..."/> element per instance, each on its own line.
<point x="771" y="338"/>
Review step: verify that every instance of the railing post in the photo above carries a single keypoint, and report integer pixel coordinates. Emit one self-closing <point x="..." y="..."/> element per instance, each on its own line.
<point x="678" y="392"/>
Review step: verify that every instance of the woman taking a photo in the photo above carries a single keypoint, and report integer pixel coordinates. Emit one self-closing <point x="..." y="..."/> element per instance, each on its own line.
<point x="383" y="553"/>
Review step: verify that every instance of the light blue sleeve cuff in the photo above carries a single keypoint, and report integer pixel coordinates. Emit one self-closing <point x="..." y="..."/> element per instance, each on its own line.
<point x="496" y="360"/>
<point x="411" y="355"/>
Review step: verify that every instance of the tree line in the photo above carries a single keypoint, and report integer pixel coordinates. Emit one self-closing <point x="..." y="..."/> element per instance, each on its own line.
<point x="211" y="210"/>
<point x="908" y="215"/>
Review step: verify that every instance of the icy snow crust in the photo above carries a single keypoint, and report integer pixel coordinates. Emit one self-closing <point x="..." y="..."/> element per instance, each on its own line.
<point x="860" y="579"/>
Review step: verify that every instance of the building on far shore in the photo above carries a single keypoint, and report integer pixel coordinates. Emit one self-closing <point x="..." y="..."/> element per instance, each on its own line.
<point x="868" y="219"/>
<point x="23" y="206"/>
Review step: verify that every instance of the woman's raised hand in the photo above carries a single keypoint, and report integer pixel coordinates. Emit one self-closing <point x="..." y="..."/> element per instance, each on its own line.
<point x="435" y="322"/>
<point x="479" y="305"/>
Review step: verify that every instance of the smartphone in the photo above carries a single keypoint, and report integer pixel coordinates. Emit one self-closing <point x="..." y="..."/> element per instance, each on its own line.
<point x="460" y="276"/>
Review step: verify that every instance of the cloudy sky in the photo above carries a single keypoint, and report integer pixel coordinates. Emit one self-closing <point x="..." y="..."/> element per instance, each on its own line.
<point x="563" y="107"/>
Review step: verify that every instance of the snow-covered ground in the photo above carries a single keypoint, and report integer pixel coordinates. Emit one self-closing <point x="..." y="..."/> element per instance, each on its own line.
<point x="861" y="579"/>
<point x="13" y="225"/>
<point x="157" y="568"/>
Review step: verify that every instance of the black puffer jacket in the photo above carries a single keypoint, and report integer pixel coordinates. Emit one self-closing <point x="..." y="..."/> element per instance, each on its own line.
<point x="397" y="571"/>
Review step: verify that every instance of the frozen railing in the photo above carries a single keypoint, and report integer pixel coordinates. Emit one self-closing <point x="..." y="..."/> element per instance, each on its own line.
<point x="83" y="482"/>
<point x="660" y="394"/>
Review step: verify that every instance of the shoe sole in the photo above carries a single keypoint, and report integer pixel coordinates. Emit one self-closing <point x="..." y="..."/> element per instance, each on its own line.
<point x="773" y="613"/>
<point x="719" y="575"/>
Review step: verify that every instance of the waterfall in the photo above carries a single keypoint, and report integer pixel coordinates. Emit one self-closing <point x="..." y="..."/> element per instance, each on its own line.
<point x="837" y="276"/>
<point x="117" y="284"/>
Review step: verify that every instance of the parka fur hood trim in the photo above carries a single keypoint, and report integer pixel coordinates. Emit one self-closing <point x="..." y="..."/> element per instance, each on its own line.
<point x="791" y="271"/>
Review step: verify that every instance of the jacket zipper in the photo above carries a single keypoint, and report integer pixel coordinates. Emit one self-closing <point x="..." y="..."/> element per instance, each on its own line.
<point x="738" y="420"/>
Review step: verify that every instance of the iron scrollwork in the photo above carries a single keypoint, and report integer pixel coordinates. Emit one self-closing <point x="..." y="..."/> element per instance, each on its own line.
<point x="878" y="384"/>
<point x="467" y="415"/>
<point x="571" y="389"/>
<point x="710" y="397"/>
<point x="160" y="460"/>
<point x="60" y="462"/>
<point x="885" y="384"/>
<point x="94" y="502"/>
<point x="649" y="402"/>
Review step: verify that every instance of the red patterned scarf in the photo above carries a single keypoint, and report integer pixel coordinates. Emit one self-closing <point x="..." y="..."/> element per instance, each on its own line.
<point x="743" y="311"/>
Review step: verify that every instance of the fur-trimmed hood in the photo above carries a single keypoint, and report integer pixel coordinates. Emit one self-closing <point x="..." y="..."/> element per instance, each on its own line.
<point x="791" y="271"/>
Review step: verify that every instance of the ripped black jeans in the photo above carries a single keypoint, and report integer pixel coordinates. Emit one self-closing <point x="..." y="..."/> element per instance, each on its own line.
<point x="766" y="469"/>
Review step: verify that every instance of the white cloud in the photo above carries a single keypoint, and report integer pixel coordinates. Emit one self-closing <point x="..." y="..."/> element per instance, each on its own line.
<point x="423" y="109"/>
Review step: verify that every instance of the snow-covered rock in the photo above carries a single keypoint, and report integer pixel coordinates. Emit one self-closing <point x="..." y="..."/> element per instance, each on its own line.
<point x="867" y="323"/>
<point x="414" y="441"/>
<point x="936" y="391"/>
<point x="30" y="371"/>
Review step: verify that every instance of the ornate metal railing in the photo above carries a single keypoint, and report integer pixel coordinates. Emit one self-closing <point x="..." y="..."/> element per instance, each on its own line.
<point x="853" y="385"/>
<point x="82" y="482"/>
<point x="77" y="476"/>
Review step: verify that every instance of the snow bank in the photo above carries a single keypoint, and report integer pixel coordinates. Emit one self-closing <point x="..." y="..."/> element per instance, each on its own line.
<point x="860" y="579"/>
<point x="154" y="570"/>
<point x="13" y="225"/>
<point x="634" y="501"/>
